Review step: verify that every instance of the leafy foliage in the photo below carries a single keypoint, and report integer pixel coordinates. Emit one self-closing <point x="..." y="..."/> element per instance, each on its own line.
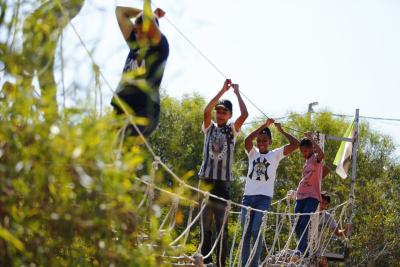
<point x="67" y="199"/>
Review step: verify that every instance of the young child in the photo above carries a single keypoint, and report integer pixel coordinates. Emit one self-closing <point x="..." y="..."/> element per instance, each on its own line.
<point x="326" y="218"/>
<point x="259" y="187"/>
<point x="327" y="221"/>
<point x="309" y="188"/>
<point x="215" y="173"/>
<point x="144" y="68"/>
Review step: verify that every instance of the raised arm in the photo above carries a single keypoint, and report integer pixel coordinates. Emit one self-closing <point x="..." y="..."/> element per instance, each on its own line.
<point x="325" y="171"/>
<point x="150" y="27"/>
<point x="243" y="110"/>
<point x="293" y="142"/>
<point x="317" y="149"/>
<point x="126" y="14"/>
<point x="210" y="106"/>
<point x="248" y="142"/>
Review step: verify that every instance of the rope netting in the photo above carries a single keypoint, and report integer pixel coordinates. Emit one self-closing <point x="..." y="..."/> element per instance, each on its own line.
<point x="277" y="232"/>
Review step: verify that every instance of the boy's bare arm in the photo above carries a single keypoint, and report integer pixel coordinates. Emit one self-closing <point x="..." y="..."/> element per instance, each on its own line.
<point x="318" y="150"/>
<point x="243" y="109"/>
<point x="150" y="26"/>
<point x="210" y="106"/>
<point x="293" y="142"/>
<point x="124" y="15"/>
<point x="325" y="171"/>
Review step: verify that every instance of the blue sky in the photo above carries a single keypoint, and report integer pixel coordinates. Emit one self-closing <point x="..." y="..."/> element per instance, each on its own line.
<point x="284" y="54"/>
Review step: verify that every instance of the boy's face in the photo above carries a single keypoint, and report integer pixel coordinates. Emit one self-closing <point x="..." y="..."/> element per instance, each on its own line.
<point x="306" y="151"/>
<point x="323" y="205"/>
<point x="263" y="142"/>
<point x="141" y="37"/>
<point x="222" y="115"/>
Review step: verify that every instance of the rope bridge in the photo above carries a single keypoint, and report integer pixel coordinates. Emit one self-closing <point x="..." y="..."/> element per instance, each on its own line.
<point x="277" y="229"/>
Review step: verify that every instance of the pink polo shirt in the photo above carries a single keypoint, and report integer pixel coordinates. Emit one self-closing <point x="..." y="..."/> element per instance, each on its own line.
<point x="310" y="184"/>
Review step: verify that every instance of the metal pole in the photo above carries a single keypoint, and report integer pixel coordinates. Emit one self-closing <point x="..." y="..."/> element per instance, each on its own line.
<point x="354" y="163"/>
<point x="330" y="137"/>
<point x="353" y="178"/>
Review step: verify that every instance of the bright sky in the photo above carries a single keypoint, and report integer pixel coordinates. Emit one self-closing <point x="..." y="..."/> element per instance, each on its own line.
<point x="284" y="53"/>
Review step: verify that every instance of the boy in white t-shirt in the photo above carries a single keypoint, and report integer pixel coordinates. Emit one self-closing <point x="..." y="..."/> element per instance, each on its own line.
<point x="260" y="180"/>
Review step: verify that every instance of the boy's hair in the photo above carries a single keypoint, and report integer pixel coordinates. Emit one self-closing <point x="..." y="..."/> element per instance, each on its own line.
<point x="266" y="131"/>
<point x="139" y="19"/>
<point x="305" y="142"/>
<point x="326" y="197"/>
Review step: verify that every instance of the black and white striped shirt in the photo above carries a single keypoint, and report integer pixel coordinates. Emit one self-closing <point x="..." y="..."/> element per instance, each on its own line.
<point x="219" y="144"/>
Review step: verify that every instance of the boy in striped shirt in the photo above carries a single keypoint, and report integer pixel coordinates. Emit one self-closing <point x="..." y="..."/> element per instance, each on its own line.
<point x="216" y="170"/>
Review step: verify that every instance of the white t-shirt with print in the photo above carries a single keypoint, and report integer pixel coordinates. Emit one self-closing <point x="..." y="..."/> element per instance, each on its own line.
<point x="260" y="179"/>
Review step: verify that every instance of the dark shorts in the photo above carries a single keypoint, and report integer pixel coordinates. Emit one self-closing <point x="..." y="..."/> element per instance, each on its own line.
<point x="216" y="187"/>
<point x="142" y="106"/>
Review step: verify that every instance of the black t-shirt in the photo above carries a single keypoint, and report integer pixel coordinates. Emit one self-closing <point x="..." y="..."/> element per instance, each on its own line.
<point x="142" y="73"/>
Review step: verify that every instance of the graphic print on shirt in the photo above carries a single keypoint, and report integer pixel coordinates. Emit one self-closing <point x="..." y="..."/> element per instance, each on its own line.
<point x="219" y="141"/>
<point x="259" y="170"/>
<point x="135" y="63"/>
<point x="132" y="65"/>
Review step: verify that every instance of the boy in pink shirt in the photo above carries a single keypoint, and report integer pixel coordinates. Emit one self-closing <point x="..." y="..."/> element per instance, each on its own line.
<point x="309" y="189"/>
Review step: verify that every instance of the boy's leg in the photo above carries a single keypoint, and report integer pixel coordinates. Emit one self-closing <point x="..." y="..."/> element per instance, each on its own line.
<point x="247" y="201"/>
<point x="154" y="118"/>
<point x="141" y="105"/>
<point x="207" y="231"/>
<point x="310" y="205"/>
<point x="261" y="203"/>
<point x="151" y="114"/>
<point x="298" y="209"/>
<point x="207" y="223"/>
<point x="221" y="189"/>
<point x="222" y="248"/>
